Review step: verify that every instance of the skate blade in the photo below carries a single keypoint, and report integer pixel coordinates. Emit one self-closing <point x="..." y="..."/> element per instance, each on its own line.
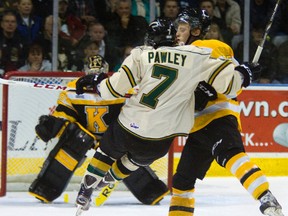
<point x="79" y="210"/>
<point x="272" y="211"/>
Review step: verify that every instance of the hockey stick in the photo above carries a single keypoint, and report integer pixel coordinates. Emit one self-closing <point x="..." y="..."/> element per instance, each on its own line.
<point x="267" y="29"/>
<point x="105" y="194"/>
<point x="34" y="85"/>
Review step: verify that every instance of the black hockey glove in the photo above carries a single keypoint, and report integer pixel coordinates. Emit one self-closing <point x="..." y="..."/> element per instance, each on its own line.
<point x="48" y="127"/>
<point x="203" y="94"/>
<point x="89" y="81"/>
<point x="250" y="72"/>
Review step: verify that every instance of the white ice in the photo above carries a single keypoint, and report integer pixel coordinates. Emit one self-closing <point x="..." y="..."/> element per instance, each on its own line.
<point x="214" y="197"/>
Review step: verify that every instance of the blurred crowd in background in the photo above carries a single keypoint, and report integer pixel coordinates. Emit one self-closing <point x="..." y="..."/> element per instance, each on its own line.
<point x="112" y="28"/>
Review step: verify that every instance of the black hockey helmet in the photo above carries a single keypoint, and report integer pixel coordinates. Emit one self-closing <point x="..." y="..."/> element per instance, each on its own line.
<point x="161" y="32"/>
<point x="196" y="18"/>
<point x="96" y="64"/>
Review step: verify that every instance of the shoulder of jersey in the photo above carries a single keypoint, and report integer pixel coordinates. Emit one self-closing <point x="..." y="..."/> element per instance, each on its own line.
<point x="72" y="84"/>
<point x="195" y="48"/>
<point x="219" y="48"/>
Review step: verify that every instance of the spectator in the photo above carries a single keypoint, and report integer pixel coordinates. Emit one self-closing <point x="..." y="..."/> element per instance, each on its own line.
<point x="142" y="8"/>
<point x="214" y="32"/>
<point x="209" y="6"/>
<point x="29" y="26"/>
<point x="282" y="75"/>
<point x="84" y="9"/>
<point x="71" y="25"/>
<point x="280" y="23"/>
<point x="11" y="46"/>
<point x="181" y="3"/>
<point x="170" y="9"/>
<point x="260" y="12"/>
<point x="96" y="32"/>
<point x="42" y="8"/>
<point x="230" y="13"/>
<point x="105" y="10"/>
<point x="35" y="61"/>
<point x="91" y="48"/>
<point x="6" y="5"/>
<point x="189" y="3"/>
<point x="125" y="52"/>
<point x="65" y="49"/>
<point x="268" y="58"/>
<point x="125" y="28"/>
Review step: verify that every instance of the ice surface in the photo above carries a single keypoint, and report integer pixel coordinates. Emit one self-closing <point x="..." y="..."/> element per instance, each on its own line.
<point x="214" y="197"/>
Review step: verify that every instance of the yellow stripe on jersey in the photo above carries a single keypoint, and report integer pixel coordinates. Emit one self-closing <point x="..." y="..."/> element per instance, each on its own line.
<point x="112" y="91"/>
<point x="218" y="70"/>
<point x="63" y="115"/>
<point x="95" y="103"/>
<point x="222" y="106"/>
<point x="228" y="90"/>
<point x="129" y="75"/>
<point x="64" y="100"/>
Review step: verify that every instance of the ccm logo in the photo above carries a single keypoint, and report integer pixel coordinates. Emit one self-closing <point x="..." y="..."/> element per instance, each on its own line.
<point x="49" y="86"/>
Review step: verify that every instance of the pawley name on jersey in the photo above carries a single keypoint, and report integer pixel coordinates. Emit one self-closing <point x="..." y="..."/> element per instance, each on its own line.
<point x="167" y="78"/>
<point x="167" y="57"/>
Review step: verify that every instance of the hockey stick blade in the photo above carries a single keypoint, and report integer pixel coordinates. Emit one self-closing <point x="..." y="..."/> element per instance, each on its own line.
<point x="267" y="29"/>
<point x="105" y="194"/>
<point x="33" y="85"/>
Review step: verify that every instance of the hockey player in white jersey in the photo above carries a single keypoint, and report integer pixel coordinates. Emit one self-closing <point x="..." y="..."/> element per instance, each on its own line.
<point x="163" y="108"/>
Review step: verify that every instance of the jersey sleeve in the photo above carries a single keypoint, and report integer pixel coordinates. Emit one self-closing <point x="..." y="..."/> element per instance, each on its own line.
<point x="223" y="77"/>
<point x="127" y="77"/>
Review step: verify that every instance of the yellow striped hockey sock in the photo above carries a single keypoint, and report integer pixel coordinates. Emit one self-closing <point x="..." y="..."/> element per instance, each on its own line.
<point x="182" y="203"/>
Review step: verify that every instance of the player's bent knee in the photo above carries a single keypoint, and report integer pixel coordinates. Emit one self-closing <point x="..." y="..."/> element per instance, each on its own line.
<point x="61" y="163"/>
<point x="224" y="156"/>
<point x="183" y="183"/>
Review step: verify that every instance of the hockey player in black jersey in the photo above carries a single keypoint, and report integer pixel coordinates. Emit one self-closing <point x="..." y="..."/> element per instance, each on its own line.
<point x="216" y="133"/>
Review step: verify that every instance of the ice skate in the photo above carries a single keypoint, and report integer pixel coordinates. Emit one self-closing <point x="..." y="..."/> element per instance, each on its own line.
<point x="107" y="180"/>
<point x="83" y="199"/>
<point x="270" y="206"/>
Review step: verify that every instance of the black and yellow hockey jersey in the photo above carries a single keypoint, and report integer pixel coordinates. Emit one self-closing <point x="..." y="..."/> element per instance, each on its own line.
<point x="88" y="109"/>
